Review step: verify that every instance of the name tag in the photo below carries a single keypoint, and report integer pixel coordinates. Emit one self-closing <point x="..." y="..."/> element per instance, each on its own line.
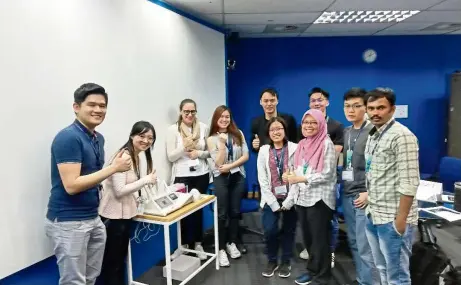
<point x="348" y="175"/>
<point x="193" y="162"/>
<point x="280" y="190"/>
<point x="234" y="170"/>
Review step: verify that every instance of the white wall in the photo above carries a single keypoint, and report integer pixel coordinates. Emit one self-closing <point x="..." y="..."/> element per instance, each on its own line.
<point x="148" y="59"/>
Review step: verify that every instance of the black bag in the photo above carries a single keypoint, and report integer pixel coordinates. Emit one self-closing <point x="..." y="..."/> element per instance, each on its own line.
<point x="428" y="261"/>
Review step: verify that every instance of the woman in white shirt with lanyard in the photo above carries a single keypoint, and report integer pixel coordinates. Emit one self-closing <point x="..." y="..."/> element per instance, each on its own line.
<point x="275" y="159"/>
<point x="186" y="149"/>
<point x="118" y="202"/>
<point x="229" y="151"/>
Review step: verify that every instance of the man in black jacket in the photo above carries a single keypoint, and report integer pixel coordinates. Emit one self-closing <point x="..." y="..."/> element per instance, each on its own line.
<point x="269" y="100"/>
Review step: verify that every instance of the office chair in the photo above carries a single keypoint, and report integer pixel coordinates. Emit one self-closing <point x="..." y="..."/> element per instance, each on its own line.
<point x="250" y="204"/>
<point x="449" y="173"/>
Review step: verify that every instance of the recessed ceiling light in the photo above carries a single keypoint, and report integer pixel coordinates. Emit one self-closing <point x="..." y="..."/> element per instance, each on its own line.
<point x="350" y="17"/>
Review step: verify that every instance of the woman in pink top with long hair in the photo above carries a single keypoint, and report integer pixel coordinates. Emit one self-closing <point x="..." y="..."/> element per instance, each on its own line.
<point x="312" y="189"/>
<point x="118" y="203"/>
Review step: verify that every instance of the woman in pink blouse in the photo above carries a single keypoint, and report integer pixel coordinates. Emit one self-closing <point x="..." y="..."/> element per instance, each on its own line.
<point x="118" y="203"/>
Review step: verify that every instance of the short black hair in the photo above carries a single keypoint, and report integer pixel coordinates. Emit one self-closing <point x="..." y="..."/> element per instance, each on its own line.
<point x="271" y="91"/>
<point x="355" y="92"/>
<point x="88" y="89"/>
<point x="321" y="91"/>
<point x="379" y="93"/>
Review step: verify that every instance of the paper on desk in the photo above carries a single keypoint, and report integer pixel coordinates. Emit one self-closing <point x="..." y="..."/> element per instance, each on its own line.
<point x="444" y="213"/>
<point x="428" y="191"/>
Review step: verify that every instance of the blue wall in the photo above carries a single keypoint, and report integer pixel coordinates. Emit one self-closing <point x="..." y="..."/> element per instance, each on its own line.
<point x="416" y="67"/>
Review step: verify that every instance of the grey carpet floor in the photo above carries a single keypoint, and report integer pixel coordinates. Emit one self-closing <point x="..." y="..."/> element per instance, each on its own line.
<point x="247" y="269"/>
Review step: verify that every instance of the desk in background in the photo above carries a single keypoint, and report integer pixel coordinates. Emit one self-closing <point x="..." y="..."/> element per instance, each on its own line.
<point x="166" y="222"/>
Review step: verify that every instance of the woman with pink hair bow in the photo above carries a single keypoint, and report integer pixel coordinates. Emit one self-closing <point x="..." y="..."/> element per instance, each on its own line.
<point x="312" y="190"/>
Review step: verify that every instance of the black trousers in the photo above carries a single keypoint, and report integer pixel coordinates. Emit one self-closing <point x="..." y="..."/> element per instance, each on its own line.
<point x="192" y="225"/>
<point x="316" y="226"/>
<point x="113" y="265"/>
<point x="229" y="189"/>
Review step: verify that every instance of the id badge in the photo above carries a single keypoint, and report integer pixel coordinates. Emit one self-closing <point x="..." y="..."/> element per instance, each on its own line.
<point x="348" y="174"/>
<point x="193" y="162"/>
<point x="349" y="157"/>
<point x="280" y="190"/>
<point x="234" y="170"/>
<point x="368" y="164"/>
<point x="140" y="209"/>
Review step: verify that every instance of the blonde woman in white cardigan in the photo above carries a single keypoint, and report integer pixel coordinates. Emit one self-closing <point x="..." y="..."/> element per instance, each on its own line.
<point x="275" y="159"/>
<point x="187" y="151"/>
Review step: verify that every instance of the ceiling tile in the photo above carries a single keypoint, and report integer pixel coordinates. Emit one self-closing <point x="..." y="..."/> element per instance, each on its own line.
<point x="290" y="18"/>
<point x="275" y="6"/>
<point x="402" y="26"/>
<point x="268" y="35"/>
<point x="359" y="27"/>
<point x="348" y="5"/>
<point x="215" y="19"/>
<point x="247" y="29"/>
<point x="200" y="6"/>
<point x="435" y="17"/>
<point x="336" y="34"/>
<point x="448" y="5"/>
<point x="386" y="33"/>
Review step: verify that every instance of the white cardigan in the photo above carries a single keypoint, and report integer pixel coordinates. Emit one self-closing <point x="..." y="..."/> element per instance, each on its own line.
<point x="264" y="175"/>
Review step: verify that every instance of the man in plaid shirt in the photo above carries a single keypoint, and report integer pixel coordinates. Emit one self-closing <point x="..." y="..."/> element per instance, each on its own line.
<point x="392" y="170"/>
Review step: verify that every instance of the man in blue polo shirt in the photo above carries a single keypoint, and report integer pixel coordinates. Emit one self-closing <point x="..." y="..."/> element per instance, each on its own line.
<point x="77" y="159"/>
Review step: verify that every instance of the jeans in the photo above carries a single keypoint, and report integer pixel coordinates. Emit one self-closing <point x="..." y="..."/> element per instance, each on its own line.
<point x="391" y="251"/>
<point x="118" y="237"/>
<point x="229" y="189"/>
<point x="79" y="249"/>
<point x="316" y="226"/>
<point x="274" y="240"/>
<point x="192" y="225"/>
<point x="356" y="220"/>
<point x="335" y="223"/>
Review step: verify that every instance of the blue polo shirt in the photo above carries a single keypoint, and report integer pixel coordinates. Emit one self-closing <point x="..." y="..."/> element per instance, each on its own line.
<point x="75" y="144"/>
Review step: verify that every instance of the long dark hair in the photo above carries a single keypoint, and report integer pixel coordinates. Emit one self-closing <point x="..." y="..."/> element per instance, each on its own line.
<point x="181" y="105"/>
<point x="231" y="129"/>
<point x="138" y="129"/>
<point x="284" y="125"/>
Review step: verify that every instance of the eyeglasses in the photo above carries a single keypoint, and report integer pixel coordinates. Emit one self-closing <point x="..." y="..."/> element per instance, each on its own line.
<point x="189" y="112"/>
<point x="354" y="107"/>
<point x="274" y="130"/>
<point x="313" y="123"/>
<point x="149" y="139"/>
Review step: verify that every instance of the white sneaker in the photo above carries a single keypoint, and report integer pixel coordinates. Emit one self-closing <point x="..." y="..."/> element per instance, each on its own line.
<point x="332" y="259"/>
<point x="177" y="253"/>
<point x="223" y="260"/>
<point x="201" y="255"/>
<point x="304" y="254"/>
<point x="233" y="251"/>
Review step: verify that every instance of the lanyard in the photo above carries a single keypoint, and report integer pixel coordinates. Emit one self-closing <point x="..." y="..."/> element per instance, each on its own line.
<point x="355" y="140"/>
<point x="94" y="144"/>
<point x="380" y="136"/>
<point x="230" y="148"/>
<point x="279" y="161"/>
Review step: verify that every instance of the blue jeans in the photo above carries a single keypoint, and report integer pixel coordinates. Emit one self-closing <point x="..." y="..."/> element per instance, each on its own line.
<point x="286" y="238"/>
<point x="356" y="220"/>
<point x="334" y="221"/>
<point x="391" y="251"/>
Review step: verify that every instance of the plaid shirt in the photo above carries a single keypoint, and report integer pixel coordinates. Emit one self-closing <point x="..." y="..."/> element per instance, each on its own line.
<point x="319" y="186"/>
<point x="394" y="171"/>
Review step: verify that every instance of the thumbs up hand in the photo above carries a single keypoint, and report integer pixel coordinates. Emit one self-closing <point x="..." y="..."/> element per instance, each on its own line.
<point x="122" y="162"/>
<point x="256" y="142"/>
